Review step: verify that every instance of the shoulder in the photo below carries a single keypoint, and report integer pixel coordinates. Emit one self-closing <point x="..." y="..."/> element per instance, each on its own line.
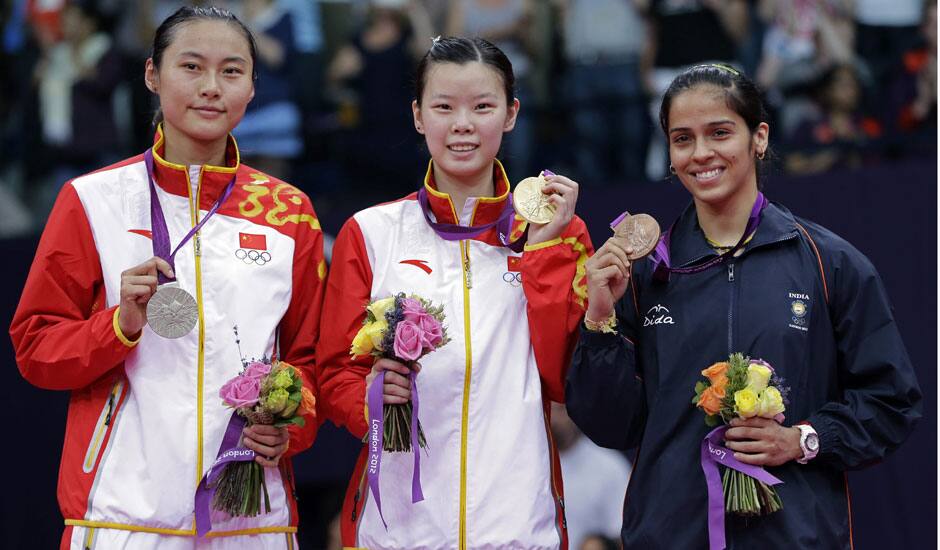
<point x="832" y="248"/>
<point x="388" y="212"/>
<point x="267" y="200"/>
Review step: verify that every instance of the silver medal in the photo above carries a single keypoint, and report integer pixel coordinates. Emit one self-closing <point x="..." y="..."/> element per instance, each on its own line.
<point x="172" y="312"/>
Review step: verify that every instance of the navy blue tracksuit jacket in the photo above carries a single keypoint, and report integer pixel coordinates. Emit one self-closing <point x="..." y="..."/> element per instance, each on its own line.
<point x="824" y="323"/>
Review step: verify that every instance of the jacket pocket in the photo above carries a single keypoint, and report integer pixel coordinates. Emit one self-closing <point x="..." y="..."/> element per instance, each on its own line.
<point x="105" y="419"/>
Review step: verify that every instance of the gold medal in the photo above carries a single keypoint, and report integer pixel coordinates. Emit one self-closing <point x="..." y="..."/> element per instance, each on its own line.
<point x="639" y="232"/>
<point x="531" y="203"/>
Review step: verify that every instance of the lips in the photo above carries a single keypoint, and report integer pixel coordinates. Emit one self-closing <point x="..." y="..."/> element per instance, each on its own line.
<point x="463" y="147"/>
<point x="208" y="110"/>
<point x="709" y="174"/>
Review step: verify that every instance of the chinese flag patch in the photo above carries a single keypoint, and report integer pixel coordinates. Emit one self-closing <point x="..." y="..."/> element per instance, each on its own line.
<point x="514" y="263"/>
<point x="249" y="240"/>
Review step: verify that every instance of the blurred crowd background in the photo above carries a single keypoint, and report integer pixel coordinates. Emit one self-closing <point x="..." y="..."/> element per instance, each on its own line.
<point x="849" y="82"/>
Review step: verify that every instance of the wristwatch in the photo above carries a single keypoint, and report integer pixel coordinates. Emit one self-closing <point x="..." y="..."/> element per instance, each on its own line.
<point x="809" y="443"/>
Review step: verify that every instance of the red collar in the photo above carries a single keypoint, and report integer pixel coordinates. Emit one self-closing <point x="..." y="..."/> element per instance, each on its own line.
<point x="174" y="178"/>
<point x="487" y="209"/>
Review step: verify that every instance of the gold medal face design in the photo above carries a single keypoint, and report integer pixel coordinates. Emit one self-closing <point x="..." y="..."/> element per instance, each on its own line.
<point x="531" y="203"/>
<point x="639" y="232"/>
<point x="172" y="312"/>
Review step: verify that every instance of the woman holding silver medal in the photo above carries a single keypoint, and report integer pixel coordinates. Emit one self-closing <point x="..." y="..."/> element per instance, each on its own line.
<point x="736" y="273"/>
<point x="145" y="349"/>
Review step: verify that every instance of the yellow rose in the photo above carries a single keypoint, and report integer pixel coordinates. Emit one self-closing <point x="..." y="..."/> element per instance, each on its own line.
<point x="376" y="332"/>
<point x="361" y="344"/>
<point x="379" y="307"/>
<point x="757" y="377"/>
<point x="770" y="403"/>
<point x="745" y="403"/>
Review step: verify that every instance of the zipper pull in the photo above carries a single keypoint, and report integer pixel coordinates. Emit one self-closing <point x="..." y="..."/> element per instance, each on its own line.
<point x="730" y="273"/>
<point x="466" y="266"/>
<point x="197" y="245"/>
<point x="107" y="419"/>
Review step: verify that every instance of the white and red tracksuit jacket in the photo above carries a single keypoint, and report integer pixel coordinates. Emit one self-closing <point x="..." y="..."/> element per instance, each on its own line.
<point x="490" y="475"/>
<point x="145" y="419"/>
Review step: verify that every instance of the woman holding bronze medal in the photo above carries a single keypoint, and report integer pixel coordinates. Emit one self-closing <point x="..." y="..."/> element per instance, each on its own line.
<point x="736" y="273"/>
<point x="513" y="295"/>
<point x="143" y="272"/>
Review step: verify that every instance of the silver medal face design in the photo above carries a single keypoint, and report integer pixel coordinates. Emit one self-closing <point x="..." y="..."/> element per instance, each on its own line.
<point x="172" y="312"/>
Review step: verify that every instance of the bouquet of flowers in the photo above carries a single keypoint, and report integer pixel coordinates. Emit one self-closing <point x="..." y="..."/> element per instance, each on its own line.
<point x="741" y="387"/>
<point x="265" y="392"/>
<point x="403" y="328"/>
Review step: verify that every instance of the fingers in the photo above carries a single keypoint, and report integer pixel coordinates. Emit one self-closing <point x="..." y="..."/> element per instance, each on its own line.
<point x="751" y="447"/>
<point x="397" y="389"/>
<point x="268" y="442"/>
<point x="391" y="365"/>
<point x="150" y="267"/>
<point x="164" y="267"/>
<point x="743" y="432"/>
<point x="760" y="459"/>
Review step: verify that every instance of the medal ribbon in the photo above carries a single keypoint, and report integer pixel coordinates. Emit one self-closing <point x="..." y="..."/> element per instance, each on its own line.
<point x="376" y="433"/>
<point x="229" y="451"/>
<point x="660" y="254"/>
<point x="714" y="453"/>
<point x="161" y="235"/>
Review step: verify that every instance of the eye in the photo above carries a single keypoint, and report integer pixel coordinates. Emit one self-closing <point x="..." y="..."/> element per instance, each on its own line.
<point x="441" y="106"/>
<point x="190" y="66"/>
<point x="680" y="139"/>
<point x="233" y="71"/>
<point x="721" y="132"/>
<point x="483" y="106"/>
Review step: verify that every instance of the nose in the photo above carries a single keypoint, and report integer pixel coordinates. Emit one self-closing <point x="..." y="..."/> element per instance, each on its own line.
<point x="209" y="87"/>
<point x="462" y="123"/>
<point x="703" y="151"/>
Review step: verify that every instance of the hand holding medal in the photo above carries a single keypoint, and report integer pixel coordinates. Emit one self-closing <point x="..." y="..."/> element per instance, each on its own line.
<point x="138" y="284"/>
<point x="547" y="202"/>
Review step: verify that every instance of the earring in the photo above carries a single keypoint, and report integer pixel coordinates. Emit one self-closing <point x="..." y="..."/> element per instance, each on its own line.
<point x="762" y="154"/>
<point x="672" y="169"/>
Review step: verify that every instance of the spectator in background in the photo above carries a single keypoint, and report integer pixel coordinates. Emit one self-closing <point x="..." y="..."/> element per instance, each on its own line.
<point x="595" y="481"/>
<point x="913" y="97"/>
<point x="76" y="78"/>
<point x="376" y="70"/>
<point x="603" y="44"/>
<point x="270" y="133"/>
<point x="834" y="134"/>
<point x="599" y="542"/>
<point x="684" y="33"/>
<point x="885" y="30"/>
<point x="508" y="25"/>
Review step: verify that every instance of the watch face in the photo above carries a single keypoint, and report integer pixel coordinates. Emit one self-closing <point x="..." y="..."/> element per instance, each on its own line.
<point x="812" y="442"/>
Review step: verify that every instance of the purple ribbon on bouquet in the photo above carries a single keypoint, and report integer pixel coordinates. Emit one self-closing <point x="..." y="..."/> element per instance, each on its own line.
<point x="376" y="430"/>
<point x="714" y="453"/>
<point x="660" y="255"/>
<point x="454" y="232"/>
<point x="229" y="451"/>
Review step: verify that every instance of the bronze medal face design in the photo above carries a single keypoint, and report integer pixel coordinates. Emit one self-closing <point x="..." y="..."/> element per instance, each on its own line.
<point x="172" y="312"/>
<point x="530" y="203"/>
<point x="640" y="232"/>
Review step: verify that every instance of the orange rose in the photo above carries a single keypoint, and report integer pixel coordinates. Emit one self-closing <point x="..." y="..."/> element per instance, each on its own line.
<point x="717" y="375"/>
<point x="307" y="401"/>
<point x="710" y="399"/>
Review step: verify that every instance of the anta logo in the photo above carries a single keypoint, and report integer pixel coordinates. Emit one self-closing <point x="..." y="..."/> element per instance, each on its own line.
<point x="142" y="232"/>
<point x="420" y="264"/>
<point x="799" y="307"/>
<point x="658" y="315"/>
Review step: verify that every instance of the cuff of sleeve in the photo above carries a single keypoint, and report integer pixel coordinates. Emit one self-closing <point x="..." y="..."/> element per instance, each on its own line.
<point x="828" y="436"/>
<point x="596" y="339"/>
<point x="539" y="246"/>
<point x="117" y="330"/>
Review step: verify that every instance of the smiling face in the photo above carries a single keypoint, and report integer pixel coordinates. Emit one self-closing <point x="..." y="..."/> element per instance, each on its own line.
<point x="204" y="81"/>
<point x="711" y="148"/>
<point x="463" y="114"/>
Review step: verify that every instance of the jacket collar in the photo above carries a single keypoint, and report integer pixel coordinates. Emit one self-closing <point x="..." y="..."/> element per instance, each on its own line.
<point x="174" y="178"/>
<point x="687" y="244"/>
<point x="484" y="209"/>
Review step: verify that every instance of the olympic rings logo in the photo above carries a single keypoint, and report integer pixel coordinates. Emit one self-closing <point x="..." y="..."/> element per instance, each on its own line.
<point x="253" y="256"/>
<point x="514" y="279"/>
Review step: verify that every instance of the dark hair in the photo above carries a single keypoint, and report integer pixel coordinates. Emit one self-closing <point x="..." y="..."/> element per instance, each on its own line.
<point x="741" y="96"/>
<point x="465" y="50"/>
<point x="167" y="30"/>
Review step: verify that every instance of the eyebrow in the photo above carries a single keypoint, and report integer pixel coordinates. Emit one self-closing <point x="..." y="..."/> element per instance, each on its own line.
<point x="486" y="95"/>
<point x="229" y="59"/>
<point x="715" y="123"/>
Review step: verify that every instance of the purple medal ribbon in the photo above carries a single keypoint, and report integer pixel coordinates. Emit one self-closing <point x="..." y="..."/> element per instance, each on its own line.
<point x="714" y="453"/>
<point x="161" y="235"/>
<point x="376" y="431"/>
<point x="454" y="232"/>
<point x="229" y="451"/>
<point x="660" y="256"/>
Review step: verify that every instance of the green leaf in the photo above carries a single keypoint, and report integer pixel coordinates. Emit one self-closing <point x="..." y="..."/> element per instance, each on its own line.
<point x="711" y="420"/>
<point x="297" y="421"/>
<point x="700" y="387"/>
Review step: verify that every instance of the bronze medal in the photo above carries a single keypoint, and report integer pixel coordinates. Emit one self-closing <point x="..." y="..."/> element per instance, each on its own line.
<point x="639" y="232"/>
<point x="531" y="203"/>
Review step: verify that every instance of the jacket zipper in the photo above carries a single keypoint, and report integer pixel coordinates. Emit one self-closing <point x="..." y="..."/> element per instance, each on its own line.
<point x="464" y="420"/>
<point x="101" y="427"/>
<point x="731" y="308"/>
<point x="195" y="185"/>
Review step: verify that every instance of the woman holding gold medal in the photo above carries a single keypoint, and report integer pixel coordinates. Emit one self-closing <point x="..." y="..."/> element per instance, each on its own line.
<point x="738" y="274"/>
<point x="490" y="473"/>
<point x="143" y="272"/>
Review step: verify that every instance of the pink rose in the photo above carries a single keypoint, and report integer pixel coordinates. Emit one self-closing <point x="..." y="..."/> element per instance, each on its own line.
<point x="257" y="370"/>
<point x="412" y="309"/>
<point x="408" y="345"/>
<point x="241" y="391"/>
<point x="432" y="332"/>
